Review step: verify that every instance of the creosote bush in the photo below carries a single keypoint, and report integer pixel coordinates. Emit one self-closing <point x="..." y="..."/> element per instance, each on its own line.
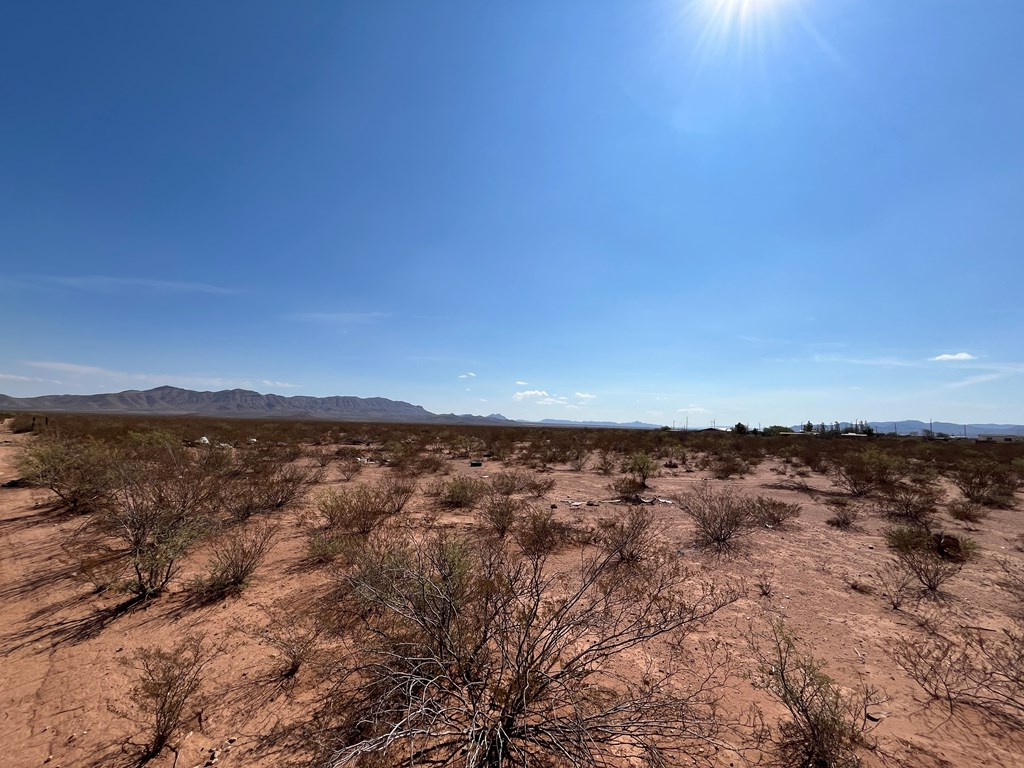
<point x="461" y="492"/>
<point x="961" y="664"/>
<point x="481" y="656"/>
<point x="931" y="559"/>
<point x="986" y="482"/>
<point x="773" y="513"/>
<point x="827" y="727"/>
<point x="721" y="517"/>
<point x="538" y="533"/>
<point x="365" y="507"/>
<point x="844" y="515"/>
<point x="78" y="470"/>
<point x="164" y="498"/>
<point x="236" y="556"/>
<point x="912" y="503"/>
<point x="499" y="513"/>
<point x="965" y="511"/>
<point x="631" y="539"/>
<point x="169" y="681"/>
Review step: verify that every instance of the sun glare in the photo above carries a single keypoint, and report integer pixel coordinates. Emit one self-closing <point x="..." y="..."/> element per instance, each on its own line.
<point x="750" y="29"/>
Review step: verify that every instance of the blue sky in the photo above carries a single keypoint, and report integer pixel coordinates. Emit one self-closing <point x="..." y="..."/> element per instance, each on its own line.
<point x="720" y="210"/>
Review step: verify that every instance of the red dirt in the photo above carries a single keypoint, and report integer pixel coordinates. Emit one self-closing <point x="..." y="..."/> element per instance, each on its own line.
<point x="61" y="678"/>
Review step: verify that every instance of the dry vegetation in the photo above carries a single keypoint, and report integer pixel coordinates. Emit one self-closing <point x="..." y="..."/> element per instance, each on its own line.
<point x="311" y="594"/>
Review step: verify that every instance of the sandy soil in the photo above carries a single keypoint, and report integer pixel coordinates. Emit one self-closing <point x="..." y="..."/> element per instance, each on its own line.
<point x="61" y="683"/>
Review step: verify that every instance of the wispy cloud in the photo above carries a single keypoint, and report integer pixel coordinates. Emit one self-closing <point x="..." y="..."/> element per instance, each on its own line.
<point x="585" y="396"/>
<point x="338" y="318"/>
<point x="522" y="383"/>
<point x="972" y="380"/>
<point x="956" y="356"/>
<point x="467" y="375"/>
<point x="280" y="384"/>
<point x="692" y="409"/>
<point x="106" y="284"/>
<point x="170" y="379"/>
<point x="553" y="400"/>
<point x="75" y="368"/>
<point x="886" y="362"/>
<point x="528" y="394"/>
<point x="16" y="377"/>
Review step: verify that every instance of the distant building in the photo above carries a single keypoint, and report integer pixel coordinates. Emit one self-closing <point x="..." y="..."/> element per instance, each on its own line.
<point x="1000" y="438"/>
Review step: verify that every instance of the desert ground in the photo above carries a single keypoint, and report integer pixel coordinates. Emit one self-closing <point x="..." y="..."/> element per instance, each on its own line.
<point x="72" y="651"/>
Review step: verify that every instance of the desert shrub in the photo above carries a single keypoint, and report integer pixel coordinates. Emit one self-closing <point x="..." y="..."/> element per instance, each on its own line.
<point x="325" y="545"/>
<point x="921" y="554"/>
<point x="511" y="481"/>
<point x="773" y="513"/>
<point x="364" y="508"/>
<point x="169" y="681"/>
<point x="295" y="635"/>
<point x="513" y="663"/>
<point x="965" y="511"/>
<point x="461" y="492"/>
<point x="579" y="455"/>
<point x="320" y="454"/>
<point x="539" y="487"/>
<point x="862" y="472"/>
<point x="538" y="533"/>
<point x="606" y="462"/>
<point x="844" y="515"/>
<point x="721" y="517"/>
<point x="626" y="488"/>
<point x="726" y="465"/>
<point x="826" y="727"/>
<point x="641" y="467"/>
<point x="236" y="556"/>
<point x="1013" y="581"/>
<point x="350" y="462"/>
<point x="515" y="481"/>
<point x="500" y="512"/>
<point x="631" y="539"/>
<point x="164" y="498"/>
<point x="765" y="582"/>
<point x="430" y="464"/>
<point x="985" y="482"/>
<point x="961" y="664"/>
<point x="914" y="503"/>
<point x="266" y="488"/>
<point x="78" y="470"/>
<point x="895" y="580"/>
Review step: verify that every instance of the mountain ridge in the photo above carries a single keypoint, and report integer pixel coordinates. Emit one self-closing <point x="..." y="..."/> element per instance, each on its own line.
<point x="247" y="403"/>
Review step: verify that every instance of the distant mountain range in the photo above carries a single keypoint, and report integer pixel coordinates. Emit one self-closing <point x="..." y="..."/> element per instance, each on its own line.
<point x="244" y="403"/>
<point x="914" y="427"/>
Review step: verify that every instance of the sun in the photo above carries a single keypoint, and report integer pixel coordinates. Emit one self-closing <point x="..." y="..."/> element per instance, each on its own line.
<point x="746" y="29"/>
